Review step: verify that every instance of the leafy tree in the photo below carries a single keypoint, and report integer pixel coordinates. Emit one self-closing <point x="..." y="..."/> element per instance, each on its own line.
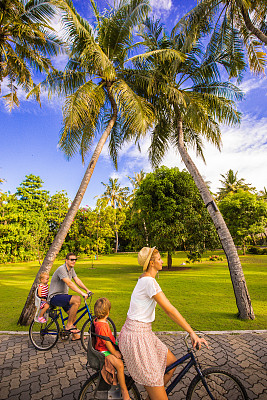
<point x="117" y="197"/>
<point x="230" y="183"/>
<point x="97" y="94"/>
<point x="263" y="194"/>
<point x="190" y="102"/>
<point x="234" y="25"/>
<point x="33" y="202"/>
<point x="175" y="215"/>
<point x="11" y="233"/>
<point x="57" y="208"/>
<point x="26" y="43"/>
<point x="245" y="215"/>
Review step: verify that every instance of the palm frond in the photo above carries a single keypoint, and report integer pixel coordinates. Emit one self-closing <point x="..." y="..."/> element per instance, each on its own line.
<point x="80" y="115"/>
<point x="136" y="112"/>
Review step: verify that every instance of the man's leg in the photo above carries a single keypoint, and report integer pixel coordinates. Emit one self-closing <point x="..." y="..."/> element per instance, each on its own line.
<point x="75" y="302"/>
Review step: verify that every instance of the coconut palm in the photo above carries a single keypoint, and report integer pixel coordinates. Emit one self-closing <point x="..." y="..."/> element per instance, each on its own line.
<point x="97" y="96"/>
<point x="190" y="103"/>
<point x="230" y="183"/>
<point x="117" y="197"/>
<point x="26" y="42"/>
<point x="136" y="183"/>
<point x="233" y="25"/>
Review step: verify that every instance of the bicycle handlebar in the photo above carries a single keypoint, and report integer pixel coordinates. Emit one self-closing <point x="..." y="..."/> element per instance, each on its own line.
<point x="187" y="345"/>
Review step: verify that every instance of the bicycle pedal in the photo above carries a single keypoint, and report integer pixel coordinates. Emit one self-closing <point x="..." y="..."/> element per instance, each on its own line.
<point x="64" y="335"/>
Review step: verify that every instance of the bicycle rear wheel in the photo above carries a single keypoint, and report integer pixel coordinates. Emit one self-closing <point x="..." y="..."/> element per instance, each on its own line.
<point x="221" y="384"/>
<point x="88" y="390"/>
<point x="44" y="336"/>
<point x="86" y="327"/>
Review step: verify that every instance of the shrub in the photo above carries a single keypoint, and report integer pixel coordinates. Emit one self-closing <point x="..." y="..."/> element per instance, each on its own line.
<point x="194" y="256"/>
<point x="256" y="250"/>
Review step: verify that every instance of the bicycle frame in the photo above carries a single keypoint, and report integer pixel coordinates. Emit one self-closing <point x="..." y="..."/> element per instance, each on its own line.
<point x="189" y="356"/>
<point x="86" y="310"/>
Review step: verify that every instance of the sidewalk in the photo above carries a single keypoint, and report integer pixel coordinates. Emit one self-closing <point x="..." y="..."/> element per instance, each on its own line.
<point x="57" y="374"/>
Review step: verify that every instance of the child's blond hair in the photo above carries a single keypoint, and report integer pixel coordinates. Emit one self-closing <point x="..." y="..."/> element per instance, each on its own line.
<point x="42" y="275"/>
<point x="102" y="307"/>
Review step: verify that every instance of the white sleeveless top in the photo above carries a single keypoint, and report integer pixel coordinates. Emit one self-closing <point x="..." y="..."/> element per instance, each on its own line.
<point x="142" y="305"/>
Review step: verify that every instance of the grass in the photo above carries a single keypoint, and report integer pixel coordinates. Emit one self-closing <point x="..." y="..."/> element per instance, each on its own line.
<point x="203" y="293"/>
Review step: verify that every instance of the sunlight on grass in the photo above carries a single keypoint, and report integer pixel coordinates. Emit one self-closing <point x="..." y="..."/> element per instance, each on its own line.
<point x="203" y="293"/>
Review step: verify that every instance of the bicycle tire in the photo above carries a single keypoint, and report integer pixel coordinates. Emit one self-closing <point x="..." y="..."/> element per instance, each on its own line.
<point x="86" y="327"/>
<point x="87" y="390"/>
<point x="222" y="385"/>
<point x="44" y="336"/>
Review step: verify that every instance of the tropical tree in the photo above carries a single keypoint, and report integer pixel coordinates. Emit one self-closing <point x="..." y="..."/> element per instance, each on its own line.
<point x="136" y="183"/>
<point x="26" y="43"/>
<point x="190" y="102"/>
<point x="263" y="194"/>
<point x="117" y="197"/>
<point x="97" y="95"/>
<point x="230" y="183"/>
<point x="234" y="26"/>
<point x="245" y="214"/>
<point x="175" y="215"/>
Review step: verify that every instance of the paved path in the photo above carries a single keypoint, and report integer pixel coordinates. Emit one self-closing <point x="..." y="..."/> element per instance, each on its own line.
<point x="28" y="374"/>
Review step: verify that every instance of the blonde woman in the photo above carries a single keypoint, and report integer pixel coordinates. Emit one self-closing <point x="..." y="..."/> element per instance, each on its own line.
<point x="145" y="356"/>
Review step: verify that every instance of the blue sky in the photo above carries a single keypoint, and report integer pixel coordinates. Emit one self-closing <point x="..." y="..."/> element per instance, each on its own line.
<point x="29" y="137"/>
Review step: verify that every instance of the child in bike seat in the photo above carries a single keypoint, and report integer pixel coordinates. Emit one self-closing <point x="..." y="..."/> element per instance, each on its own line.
<point x="43" y="293"/>
<point x="113" y="357"/>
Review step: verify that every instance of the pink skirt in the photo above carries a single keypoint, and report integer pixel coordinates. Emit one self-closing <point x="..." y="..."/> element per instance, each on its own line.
<point x="144" y="354"/>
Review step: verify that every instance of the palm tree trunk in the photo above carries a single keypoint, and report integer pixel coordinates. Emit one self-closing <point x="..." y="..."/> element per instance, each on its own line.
<point x="255" y="31"/>
<point x="243" y="301"/>
<point x="29" y="308"/>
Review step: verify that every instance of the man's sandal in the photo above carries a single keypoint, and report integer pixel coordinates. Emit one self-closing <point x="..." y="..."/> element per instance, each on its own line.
<point x="73" y="329"/>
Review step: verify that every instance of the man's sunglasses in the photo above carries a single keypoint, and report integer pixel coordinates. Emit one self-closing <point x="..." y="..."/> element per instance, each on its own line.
<point x="73" y="259"/>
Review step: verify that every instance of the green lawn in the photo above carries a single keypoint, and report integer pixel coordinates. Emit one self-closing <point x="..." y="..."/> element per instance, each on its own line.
<point x="203" y="293"/>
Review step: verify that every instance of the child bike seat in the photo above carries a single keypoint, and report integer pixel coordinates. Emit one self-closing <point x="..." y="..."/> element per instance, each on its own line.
<point x="95" y="358"/>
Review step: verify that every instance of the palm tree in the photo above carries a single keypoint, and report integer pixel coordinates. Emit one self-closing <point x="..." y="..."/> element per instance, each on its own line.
<point x="230" y="183"/>
<point x="97" y="96"/>
<point x="26" y="41"/>
<point x="117" y="197"/>
<point x="234" y="25"/>
<point x="136" y="183"/>
<point x="192" y="103"/>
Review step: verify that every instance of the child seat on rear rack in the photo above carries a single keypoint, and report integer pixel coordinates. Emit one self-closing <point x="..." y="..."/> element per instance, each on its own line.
<point x="37" y="303"/>
<point x="96" y="360"/>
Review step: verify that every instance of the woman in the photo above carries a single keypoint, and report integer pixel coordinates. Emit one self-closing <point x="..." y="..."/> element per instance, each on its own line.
<point x="145" y="356"/>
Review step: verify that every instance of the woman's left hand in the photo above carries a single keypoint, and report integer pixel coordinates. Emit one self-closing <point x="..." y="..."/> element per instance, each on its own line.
<point x="197" y="341"/>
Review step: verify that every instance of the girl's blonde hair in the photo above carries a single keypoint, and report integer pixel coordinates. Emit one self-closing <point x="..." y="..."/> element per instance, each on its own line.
<point x="102" y="307"/>
<point x="42" y="275"/>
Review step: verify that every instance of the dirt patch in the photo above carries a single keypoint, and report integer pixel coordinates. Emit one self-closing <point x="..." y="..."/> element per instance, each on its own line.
<point x="175" y="268"/>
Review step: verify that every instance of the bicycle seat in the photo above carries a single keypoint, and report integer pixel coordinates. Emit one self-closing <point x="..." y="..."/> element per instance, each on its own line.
<point x="95" y="358"/>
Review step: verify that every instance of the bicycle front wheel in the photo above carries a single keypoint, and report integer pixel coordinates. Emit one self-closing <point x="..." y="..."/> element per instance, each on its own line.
<point x="44" y="336"/>
<point x="88" y="390"/>
<point x="86" y="327"/>
<point x="221" y="385"/>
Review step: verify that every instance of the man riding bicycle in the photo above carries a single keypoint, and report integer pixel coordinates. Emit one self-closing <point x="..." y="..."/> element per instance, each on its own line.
<point x="58" y="292"/>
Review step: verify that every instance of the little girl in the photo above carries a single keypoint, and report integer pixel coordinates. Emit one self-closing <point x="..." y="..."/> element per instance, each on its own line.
<point x="113" y="356"/>
<point x="43" y="293"/>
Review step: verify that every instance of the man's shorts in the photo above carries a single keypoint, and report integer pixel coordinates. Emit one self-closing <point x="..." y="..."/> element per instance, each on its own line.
<point x="61" y="300"/>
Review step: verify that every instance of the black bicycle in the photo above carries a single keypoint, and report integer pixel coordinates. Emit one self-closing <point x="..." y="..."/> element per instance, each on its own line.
<point x="44" y="336"/>
<point x="211" y="383"/>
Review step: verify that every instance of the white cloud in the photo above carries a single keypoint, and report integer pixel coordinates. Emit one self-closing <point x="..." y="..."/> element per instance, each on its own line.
<point x="161" y="4"/>
<point x="252" y="84"/>
<point x="244" y="150"/>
